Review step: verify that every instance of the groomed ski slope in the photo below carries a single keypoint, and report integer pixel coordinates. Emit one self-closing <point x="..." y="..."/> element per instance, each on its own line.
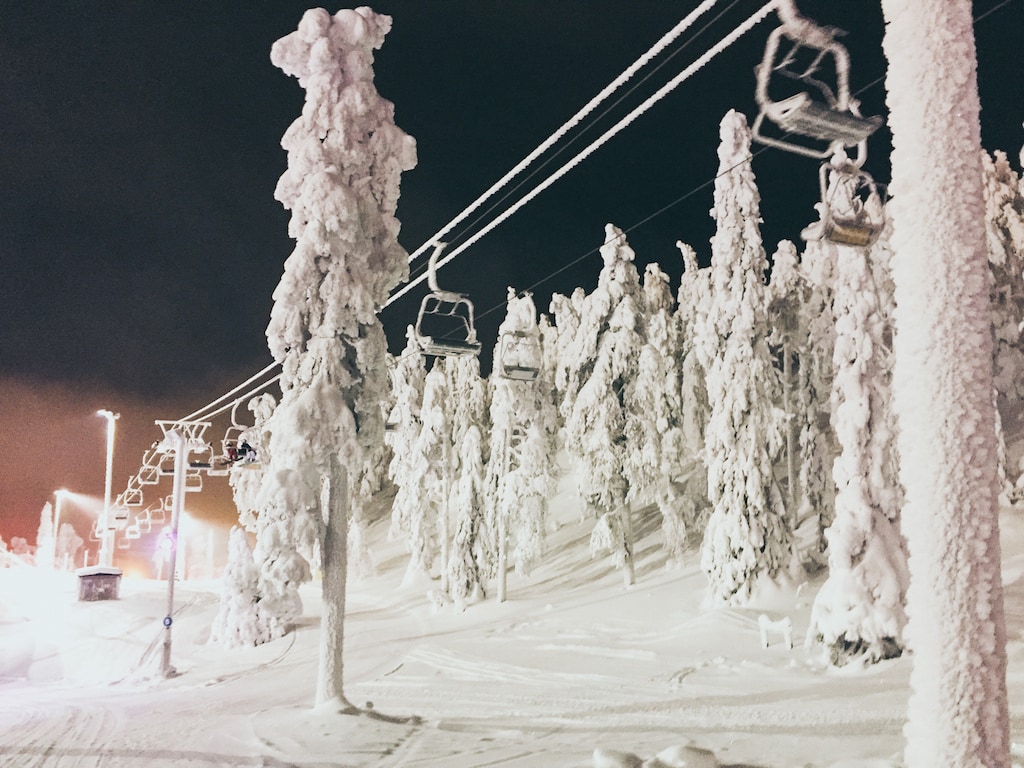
<point x="572" y="671"/>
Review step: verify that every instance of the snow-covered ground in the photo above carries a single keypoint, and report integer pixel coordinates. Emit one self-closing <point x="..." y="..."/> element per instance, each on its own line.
<point x="572" y="671"/>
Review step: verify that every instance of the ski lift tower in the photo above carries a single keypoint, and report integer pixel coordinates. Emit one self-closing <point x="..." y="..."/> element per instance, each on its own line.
<point x="180" y="439"/>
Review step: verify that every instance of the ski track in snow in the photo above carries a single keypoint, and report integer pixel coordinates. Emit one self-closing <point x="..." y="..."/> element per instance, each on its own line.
<point x="538" y="681"/>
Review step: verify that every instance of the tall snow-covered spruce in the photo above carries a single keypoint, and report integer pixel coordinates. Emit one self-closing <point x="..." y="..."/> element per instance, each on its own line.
<point x="859" y="610"/>
<point x="606" y="349"/>
<point x="958" y="712"/>
<point x="345" y="159"/>
<point x="747" y="539"/>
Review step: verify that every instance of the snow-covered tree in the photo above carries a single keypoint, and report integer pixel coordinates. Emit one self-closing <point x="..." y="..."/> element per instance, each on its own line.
<point x="238" y="622"/>
<point x="567" y="312"/>
<point x="246" y="478"/>
<point x="45" y="537"/>
<point x="67" y="547"/>
<point x="785" y="315"/>
<point x="521" y="471"/>
<point x="859" y="611"/>
<point x="1004" y="228"/>
<point x="467" y="401"/>
<point x="957" y="712"/>
<point x="429" y="480"/>
<point x="654" y="413"/>
<point x="816" y="445"/>
<point x="465" y="577"/>
<point x="606" y="350"/>
<point x="747" y="538"/>
<point x="345" y="159"/>
<point x="689" y="487"/>
<point x="404" y="425"/>
<point x="469" y="406"/>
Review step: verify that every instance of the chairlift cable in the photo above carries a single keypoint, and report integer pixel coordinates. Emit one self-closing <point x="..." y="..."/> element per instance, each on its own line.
<point x="589" y="107"/>
<point x="579" y="135"/>
<point x="203" y="411"/>
<point x="724" y="43"/>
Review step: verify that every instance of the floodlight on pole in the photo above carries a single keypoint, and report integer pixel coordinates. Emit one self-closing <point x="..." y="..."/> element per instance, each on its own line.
<point x="106" y="540"/>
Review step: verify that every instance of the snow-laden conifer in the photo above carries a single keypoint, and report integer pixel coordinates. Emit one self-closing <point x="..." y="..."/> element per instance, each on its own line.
<point x="345" y="159"/>
<point x="237" y="622"/>
<point x="859" y="611"/>
<point x="45" y="537"/>
<point x="690" y="487"/>
<point x="468" y="412"/>
<point x="607" y="349"/>
<point x="816" y="444"/>
<point x="785" y="318"/>
<point x="654" y="414"/>
<point x="957" y="712"/>
<point x="465" y="576"/>
<point x="68" y="544"/>
<point x="521" y="471"/>
<point x="246" y="478"/>
<point x="1004" y="227"/>
<point x="567" y="312"/>
<point x="747" y="538"/>
<point x="404" y="424"/>
<point x="429" y="479"/>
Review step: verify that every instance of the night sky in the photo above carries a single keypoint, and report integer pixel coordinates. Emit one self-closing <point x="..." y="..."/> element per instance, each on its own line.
<point x="140" y="241"/>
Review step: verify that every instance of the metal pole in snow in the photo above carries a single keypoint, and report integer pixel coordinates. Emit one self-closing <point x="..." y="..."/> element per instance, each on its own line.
<point x="177" y="506"/>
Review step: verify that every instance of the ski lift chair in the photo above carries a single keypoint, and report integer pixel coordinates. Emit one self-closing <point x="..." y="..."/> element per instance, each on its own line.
<point x="158" y="512"/>
<point x="133" y="531"/>
<point x="829" y="115"/>
<point x="131" y="497"/>
<point x="149" y="473"/>
<point x="852" y="206"/>
<point x="166" y="466"/>
<point x="235" y="447"/>
<point x="518" y="356"/>
<point x="193" y="480"/>
<point x="445" y="323"/>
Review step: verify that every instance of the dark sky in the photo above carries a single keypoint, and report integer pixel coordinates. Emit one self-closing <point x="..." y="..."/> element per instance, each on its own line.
<point x="140" y="241"/>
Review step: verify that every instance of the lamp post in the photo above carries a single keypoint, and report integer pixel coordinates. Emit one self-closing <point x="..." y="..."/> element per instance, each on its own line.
<point x="59" y="496"/>
<point x="106" y="542"/>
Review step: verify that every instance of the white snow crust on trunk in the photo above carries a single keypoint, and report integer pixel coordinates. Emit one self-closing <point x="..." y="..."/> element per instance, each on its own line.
<point x="957" y="715"/>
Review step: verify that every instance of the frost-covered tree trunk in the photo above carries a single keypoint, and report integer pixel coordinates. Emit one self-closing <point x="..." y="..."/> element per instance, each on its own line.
<point x="747" y="538"/>
<point x="345" y="159"/>
<point x="333" y="557"/>
<point x="859" y="610"/>
<point x="958" y="713"/>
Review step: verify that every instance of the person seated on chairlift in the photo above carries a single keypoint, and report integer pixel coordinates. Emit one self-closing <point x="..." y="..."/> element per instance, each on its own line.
<point x="245" y="451"/>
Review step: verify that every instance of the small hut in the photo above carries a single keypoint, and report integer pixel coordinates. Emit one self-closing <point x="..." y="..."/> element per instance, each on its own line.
<point x="99" y="582"/>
